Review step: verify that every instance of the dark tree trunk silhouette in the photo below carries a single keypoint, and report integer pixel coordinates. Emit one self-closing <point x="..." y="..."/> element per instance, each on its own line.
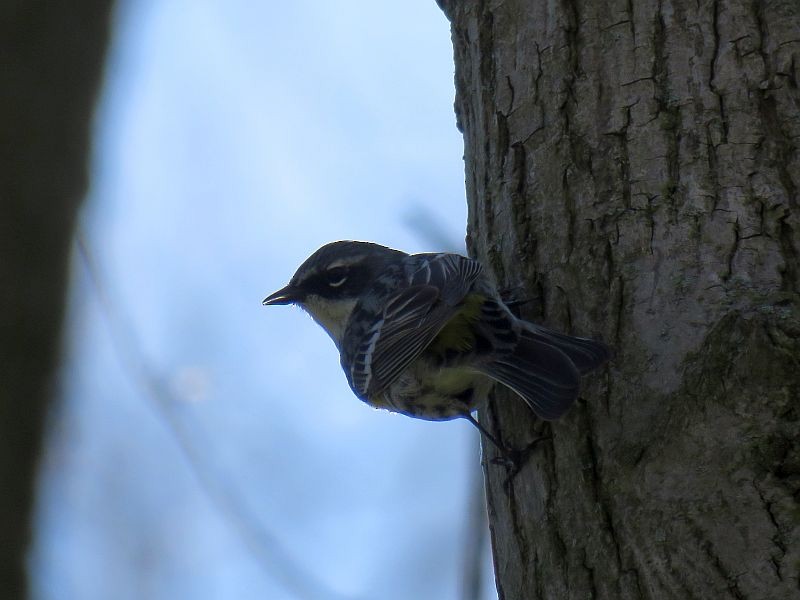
<point x="51" y="57"/>
<point x="634" y="168"/>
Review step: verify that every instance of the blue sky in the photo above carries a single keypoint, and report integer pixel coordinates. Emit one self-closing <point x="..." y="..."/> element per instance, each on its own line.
<point x="231" y="140"/>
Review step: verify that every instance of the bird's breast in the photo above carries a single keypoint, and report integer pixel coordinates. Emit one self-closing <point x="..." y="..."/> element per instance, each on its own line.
<point x="434" y="394"/>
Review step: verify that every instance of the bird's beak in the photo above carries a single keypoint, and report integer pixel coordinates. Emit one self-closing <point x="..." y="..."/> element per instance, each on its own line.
<point x="287" y="295"/>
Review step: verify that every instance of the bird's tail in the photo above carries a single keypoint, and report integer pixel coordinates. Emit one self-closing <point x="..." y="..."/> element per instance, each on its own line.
<point x="586" y="354"/>
<point x="545" y="368"/>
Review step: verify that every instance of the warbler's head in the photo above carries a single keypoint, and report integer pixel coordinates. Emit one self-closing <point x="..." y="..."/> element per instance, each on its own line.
<point x="330" y="282"/>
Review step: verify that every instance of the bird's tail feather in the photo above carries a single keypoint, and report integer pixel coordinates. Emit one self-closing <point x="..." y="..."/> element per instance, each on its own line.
<point x="585" y="354"/>
<point x="540" y="373"/>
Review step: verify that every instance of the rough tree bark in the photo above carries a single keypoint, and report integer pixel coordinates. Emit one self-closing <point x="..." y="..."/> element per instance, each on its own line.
<point x="50" y="62"/>
<point x="635" y="167"/>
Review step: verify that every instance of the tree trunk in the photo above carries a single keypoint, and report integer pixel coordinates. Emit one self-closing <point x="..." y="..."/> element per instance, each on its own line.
<point x="634" y="167"/>
<point x="50" y="64"/>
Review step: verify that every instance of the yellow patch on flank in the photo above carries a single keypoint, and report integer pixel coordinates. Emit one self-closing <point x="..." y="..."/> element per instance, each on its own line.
<point x="454" y="381"/>
<point x="458" y="334"/>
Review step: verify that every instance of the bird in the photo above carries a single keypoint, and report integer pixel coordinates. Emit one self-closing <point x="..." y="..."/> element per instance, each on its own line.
<point x="428" y="335"/>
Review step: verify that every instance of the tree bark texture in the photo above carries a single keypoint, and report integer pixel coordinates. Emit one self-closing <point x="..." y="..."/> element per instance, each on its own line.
<point x="633" y="168"/>
<point x="51" y="55"/>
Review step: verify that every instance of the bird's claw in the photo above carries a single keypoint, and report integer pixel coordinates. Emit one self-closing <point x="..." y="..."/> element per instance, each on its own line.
<point x="514" y="459"/>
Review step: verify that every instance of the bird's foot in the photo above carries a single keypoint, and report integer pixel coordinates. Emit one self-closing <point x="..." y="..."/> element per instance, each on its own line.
<point x="516" y="297"/>
<point x="513" y="459"/>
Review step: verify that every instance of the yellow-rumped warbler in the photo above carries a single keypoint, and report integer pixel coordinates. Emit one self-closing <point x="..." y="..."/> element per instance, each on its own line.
<point x="424" y="334"/>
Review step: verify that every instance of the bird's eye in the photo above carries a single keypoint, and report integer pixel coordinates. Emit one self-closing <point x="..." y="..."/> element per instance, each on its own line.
<point x="336" y="276"/>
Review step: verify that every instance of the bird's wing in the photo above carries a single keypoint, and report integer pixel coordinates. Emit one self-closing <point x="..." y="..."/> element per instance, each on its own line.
<point x="430" y="294"/>
<point x="451" y="274"/>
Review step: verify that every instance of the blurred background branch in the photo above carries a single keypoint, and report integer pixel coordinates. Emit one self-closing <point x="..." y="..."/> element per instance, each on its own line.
<point x="50" y="63"/>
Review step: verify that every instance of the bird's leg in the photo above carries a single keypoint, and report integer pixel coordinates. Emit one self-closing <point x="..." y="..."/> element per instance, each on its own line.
<point x="514" y="302"/>
<point x="515" y="296"/>
<point x="500" y="447"/>
<point x="511" y="458"/>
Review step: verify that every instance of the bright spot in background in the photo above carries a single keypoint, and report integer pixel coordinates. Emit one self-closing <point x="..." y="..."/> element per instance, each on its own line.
<point x="232" y="140"/>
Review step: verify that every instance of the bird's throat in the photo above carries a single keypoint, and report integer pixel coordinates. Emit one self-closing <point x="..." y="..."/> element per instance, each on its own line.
<point x="331" y="315"/>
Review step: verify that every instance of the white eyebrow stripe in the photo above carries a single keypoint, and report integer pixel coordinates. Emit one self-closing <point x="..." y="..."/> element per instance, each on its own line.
<point x="344" y="262"/>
